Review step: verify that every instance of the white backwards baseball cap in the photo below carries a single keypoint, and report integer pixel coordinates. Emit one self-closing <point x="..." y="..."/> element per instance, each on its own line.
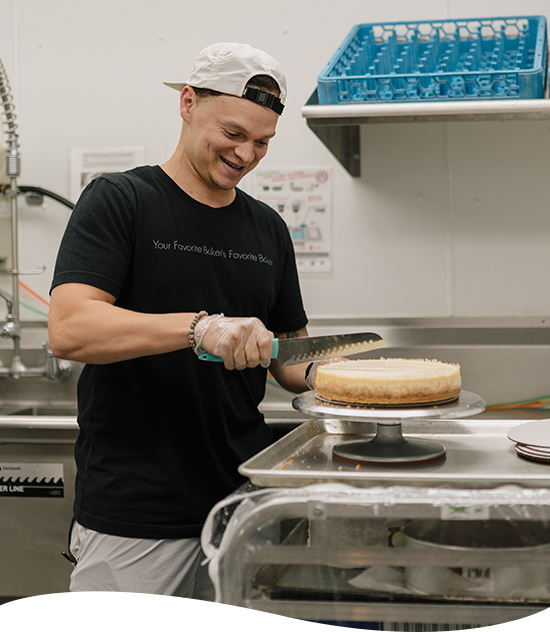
<point x="227" y="67"/>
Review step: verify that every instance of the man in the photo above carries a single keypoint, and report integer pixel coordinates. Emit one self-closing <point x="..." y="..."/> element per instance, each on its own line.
<point x="156" y="265"/>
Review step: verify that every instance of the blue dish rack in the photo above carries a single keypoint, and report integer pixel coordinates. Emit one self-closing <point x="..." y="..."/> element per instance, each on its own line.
<point x="470" y="59"/>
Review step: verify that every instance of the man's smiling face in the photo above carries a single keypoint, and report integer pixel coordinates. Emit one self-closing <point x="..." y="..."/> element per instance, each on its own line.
<point x="228" y="136"/>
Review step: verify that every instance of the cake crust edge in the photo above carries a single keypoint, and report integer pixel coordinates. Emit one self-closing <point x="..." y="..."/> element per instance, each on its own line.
<point x="390" y="392"/>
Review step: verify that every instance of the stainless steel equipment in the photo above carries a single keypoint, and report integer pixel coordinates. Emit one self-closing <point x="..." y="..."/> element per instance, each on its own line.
<point x="479" y="455"/>
<point x="507" y="536"/>
<point x="37" y="433"/>
<point x="34" y="523"/>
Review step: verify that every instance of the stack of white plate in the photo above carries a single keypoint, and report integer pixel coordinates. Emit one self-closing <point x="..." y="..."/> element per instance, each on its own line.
<point x="532" y="440"/>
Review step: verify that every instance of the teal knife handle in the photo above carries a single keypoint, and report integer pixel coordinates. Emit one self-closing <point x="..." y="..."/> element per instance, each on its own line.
<point x="212" y="358"/>
<point x="209" y="357"/>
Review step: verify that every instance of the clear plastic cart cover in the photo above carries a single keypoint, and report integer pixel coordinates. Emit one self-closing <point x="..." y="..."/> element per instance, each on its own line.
<point x="339" y="542"/>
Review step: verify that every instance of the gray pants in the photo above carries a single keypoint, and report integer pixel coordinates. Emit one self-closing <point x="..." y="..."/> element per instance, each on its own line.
<point x="161" y="567"/>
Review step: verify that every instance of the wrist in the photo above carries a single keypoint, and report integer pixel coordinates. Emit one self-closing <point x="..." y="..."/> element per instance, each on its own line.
<point x="192" y="341"/>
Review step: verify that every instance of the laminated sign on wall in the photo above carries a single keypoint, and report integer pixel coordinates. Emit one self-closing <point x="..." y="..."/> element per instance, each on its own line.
<point x="89" y="162"/>
<point x="303" y="199"/>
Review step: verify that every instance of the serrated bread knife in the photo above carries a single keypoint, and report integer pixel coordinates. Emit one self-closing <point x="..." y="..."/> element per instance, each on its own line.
<point x="300" y="350"/>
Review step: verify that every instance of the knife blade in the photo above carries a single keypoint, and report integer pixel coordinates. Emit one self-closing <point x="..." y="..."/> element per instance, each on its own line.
<point x="290" y="351"/>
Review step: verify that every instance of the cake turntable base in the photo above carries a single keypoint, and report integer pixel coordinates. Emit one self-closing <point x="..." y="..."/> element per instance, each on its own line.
<point x="389" y="446"/>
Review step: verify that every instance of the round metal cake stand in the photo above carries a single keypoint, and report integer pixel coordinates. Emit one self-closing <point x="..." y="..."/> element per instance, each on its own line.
<point x="389" y="446"/>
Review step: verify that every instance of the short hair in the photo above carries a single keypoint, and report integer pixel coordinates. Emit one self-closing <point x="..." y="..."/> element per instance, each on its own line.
<point x="261" y="82"/>
<point x="265" y="82"/>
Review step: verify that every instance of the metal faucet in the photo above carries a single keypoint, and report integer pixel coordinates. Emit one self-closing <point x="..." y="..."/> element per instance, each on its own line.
<point x="9" y="328"/>
<point x="52" y="367"/>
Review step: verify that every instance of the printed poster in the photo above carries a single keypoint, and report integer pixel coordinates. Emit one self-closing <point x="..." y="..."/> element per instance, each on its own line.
<point x="303" y="199"/>
<point x="89" y="162"/>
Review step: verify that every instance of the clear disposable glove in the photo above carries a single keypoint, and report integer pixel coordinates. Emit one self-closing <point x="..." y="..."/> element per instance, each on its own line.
<point x="311" y="371"/>
<point x="240" y="342"/>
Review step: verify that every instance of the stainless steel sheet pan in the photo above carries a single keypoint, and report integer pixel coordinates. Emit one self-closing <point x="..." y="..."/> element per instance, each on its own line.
<point x="479" y="455"/>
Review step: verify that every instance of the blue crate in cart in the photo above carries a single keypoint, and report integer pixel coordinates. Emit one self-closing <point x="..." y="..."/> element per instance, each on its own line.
<point x="470" y="59"/>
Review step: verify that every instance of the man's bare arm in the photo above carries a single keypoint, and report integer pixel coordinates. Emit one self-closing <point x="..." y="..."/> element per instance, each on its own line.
<point x="86" y="326"/>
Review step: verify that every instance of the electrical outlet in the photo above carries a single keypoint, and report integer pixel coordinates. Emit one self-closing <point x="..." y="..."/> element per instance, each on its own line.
<point x="5" y="244"/>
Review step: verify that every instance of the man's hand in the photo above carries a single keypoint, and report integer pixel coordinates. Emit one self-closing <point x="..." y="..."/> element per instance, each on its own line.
<point x="240" y="342"/>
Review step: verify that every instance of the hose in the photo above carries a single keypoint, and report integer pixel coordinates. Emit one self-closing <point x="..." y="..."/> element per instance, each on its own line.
<point x="45" y="192"/>
<point x="9" y="302"/>
<point x="33" y="309"/>
<point x="13" y="163"/>
<point x="39" y="191"/>
<point x="28" y="289"/>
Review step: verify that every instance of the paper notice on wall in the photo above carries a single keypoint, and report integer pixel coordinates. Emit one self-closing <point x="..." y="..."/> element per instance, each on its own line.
<point x="88" y="163"/>
<point x="303" y="199"/>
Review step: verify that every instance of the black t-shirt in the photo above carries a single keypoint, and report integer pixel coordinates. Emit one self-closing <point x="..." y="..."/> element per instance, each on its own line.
<point x="161" y="437"/>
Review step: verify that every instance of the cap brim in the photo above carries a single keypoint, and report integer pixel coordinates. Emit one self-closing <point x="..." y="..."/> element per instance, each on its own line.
<point x="174" y="84"/>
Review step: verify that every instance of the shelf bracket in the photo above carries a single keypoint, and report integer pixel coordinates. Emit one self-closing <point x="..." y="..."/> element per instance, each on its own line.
<point x="343" y="141"/>
<point x="341" y="138"/>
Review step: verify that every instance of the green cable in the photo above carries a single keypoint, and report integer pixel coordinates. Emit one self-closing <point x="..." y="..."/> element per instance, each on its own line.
<point x="36" y="311"/>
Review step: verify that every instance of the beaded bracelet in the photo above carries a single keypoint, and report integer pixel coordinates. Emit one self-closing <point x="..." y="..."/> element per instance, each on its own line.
<point x="194" y="322"/>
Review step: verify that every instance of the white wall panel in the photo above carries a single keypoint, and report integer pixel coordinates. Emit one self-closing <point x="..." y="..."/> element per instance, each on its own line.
<point x="501" y="191"/>
<point x="390" y="229"/>
<point x="446" y="218"/>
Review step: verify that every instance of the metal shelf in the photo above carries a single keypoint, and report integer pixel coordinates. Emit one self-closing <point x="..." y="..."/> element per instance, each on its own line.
<point x="337" y="126"/>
